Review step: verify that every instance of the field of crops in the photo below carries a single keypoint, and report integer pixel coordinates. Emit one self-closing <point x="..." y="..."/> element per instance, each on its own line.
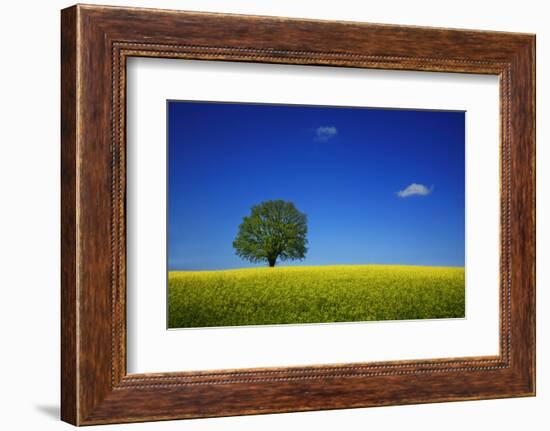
<point x="313" y="294"/>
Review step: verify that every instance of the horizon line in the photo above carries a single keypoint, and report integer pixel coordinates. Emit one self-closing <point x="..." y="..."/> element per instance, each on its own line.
<point x="315" y="266"/>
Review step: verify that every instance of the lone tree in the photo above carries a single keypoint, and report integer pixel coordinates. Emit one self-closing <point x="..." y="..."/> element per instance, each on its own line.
<point x="273" y="230"/>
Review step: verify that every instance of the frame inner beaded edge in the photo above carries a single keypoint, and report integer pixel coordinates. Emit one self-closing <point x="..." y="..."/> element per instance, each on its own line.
<point x="119" y="378"/>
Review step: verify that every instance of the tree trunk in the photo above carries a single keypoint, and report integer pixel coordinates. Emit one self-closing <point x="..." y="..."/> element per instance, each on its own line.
<point x="271" y="261"/>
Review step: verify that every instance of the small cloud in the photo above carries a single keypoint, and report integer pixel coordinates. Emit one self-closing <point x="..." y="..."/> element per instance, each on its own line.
<point x="415" y="190"/>
<point x="324" y="133"/>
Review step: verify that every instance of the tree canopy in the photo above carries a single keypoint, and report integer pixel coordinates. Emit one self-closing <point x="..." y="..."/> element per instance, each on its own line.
<point x="274" y="230"/>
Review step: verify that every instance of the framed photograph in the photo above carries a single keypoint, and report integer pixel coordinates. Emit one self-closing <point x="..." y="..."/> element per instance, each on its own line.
<point x="264" y="215"/>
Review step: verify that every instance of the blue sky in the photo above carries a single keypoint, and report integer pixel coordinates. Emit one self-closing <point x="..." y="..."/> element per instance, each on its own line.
<point x="378" y="185"/>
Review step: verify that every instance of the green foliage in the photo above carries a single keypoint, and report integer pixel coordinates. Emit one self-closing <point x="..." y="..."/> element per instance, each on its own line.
<point x="301" y="294"/>
<point x="273" y="230"/>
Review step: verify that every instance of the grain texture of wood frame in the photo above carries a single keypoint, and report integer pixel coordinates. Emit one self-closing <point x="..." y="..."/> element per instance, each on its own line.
<point x="95" y="43"/>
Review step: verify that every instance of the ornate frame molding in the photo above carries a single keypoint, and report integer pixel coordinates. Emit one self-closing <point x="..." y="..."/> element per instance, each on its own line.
<point x="96" y="41"/>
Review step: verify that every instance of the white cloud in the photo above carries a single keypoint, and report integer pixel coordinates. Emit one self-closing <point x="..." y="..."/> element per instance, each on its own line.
<point x="415" y="190"/>
<point x="324" y="133"/>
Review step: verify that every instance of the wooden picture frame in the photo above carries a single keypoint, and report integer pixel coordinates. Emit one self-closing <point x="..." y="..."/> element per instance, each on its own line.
<point x="95" y="43"/>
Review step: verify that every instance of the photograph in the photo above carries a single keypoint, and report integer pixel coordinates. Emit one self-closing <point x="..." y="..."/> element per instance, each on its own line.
<point x="296" y="214"/>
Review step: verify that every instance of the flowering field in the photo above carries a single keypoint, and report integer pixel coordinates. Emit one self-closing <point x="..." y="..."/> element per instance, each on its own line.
<point x="314" y="294"/>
